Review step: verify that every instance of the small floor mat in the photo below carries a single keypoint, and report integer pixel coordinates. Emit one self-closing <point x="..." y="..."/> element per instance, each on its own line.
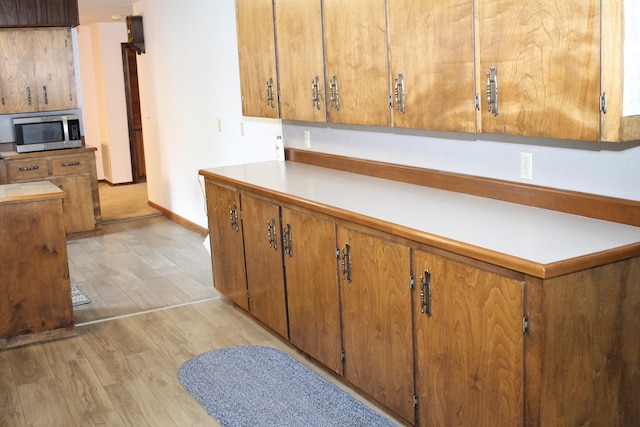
<point x="78" y="297"/>
<point x="261" y="386"/>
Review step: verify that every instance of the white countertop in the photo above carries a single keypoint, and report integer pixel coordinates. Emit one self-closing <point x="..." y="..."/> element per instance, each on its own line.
<point x="536" y="235"/>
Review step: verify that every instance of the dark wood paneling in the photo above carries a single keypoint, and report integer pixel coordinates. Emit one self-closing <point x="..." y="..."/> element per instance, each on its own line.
<point x="8" y="13"/>
<point x="589" y="205"/>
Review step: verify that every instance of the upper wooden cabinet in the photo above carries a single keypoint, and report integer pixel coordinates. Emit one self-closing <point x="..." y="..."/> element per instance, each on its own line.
<point x="257" y="56"/>
<point x="300" y="60"/>
<point x="431" y="64"/>
<point x="538" y="69"/>
<point x="39" y="13"/>
<point x="356" y="55"/>
<point x="547" y="60"/>
<point x="36" y="70"/>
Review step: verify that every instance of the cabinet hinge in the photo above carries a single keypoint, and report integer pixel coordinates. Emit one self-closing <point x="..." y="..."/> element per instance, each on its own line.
<point x="415" y="400"/>
<point x="337" y="253"/>
<point x="525" y="324"/>
<point x="603" y="103"/>
<point x="390" y="100"/>
<point x="477" y="101"/>
<point x="412" y="282"/>
<point x="343" y="356"/>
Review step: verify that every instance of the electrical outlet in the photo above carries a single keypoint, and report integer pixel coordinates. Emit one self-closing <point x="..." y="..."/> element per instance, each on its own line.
<point x="241" y="128"/>
<point x="307" y="139"/>
<point x="526" y="165"/>
<point x="219" y="126"/>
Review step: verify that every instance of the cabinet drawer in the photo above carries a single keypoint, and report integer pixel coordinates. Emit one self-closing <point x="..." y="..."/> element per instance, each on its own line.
<point x="27" y="170"/>
<point x="69" y="165"/>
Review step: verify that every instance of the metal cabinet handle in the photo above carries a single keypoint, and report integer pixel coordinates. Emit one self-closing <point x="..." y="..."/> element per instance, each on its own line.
<point x="492" y="91"/>
<point x="29" y="168"/>
<point x="29" y="99"/>
<point x="270" y="97"/>
<point x="287" y="240"/>
<point x="334" y="96"/>
<point x="45" y="95"/>
<point x="233" y="216"/>
<point x="425" y="293"/>
<point x="68" y="164"/>
<point x="315" y="92"/>
<point x="272" y="234"/>
<point x="398" y="90"/>
<point x="346" y="262"/>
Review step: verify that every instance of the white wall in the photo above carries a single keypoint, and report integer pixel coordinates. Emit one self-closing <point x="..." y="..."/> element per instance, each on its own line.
<point x="104" y="102"/>
<point x="599" y="168"/>
<point x="189" y="80"/>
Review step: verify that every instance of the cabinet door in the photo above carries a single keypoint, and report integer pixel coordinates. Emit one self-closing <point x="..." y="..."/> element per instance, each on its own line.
<point x="17" y="72"/>
<point x="432" y="64"/>
<point x="79" y="214"/>
<point x="312" y="287"/>
<point x="257" y="55"/>
<point x="356" y="54"/>
<point x="547" y="57"/>
<point x="469" y="344"/>
<point x="54" y="69"/>
<point x="300" y="60"/>
<point x="376" y="319"/>
<point x="265" y="272"/>
<point x="227" y="250"/>
<point x="8" y="13"/>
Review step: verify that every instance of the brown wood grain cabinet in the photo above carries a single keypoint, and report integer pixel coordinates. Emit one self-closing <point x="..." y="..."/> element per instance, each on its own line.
<point x="313" y="303"/>
<point x="227" y="248"/>
<point x="257" y="56"/>
<point x="300" y="60"/>
<point x="263" y="259"/>
<point x="355" y="42"/>
<point x="375" y="291"/>
<point x="37" y="71"/>
<point x="432" y="64"/>
<point x="39" y="13"/>
<point x="34" y="280"/>
<point x="439" y="330"/>
<point x="72" y="170"/>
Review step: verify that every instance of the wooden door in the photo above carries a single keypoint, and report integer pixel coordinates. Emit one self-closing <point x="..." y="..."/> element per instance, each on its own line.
<point x="265" y="271"/>
<point x="312" y="287"/>
<point x="376" y="319"/>
<point x="300" y="60"/>
<point x="257" y="56"/>
<point x="227" y="250"/>
<point x="547" y="56"/>
<point x="356" y="54"/>
<point x="134" y="113"/>
<point x="469" y="351"/>
<point x="432" y="64"/>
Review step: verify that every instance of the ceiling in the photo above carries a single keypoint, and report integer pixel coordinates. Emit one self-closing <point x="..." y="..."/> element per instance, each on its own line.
<point x="92" y="11"/>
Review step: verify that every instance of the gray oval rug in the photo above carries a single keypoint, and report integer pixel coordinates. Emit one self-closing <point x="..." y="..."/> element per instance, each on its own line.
<point x="261" y="386"/>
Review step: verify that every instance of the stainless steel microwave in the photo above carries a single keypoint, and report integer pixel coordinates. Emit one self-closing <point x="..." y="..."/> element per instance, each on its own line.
<point x="42" y="133"/>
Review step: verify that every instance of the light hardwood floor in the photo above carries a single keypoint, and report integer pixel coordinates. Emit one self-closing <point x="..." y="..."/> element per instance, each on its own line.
<point x="121" y="368"/>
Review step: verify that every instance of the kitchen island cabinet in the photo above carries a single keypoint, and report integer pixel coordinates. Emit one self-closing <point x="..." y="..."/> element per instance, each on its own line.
<point x="34" y="279"/>
<point x="74" y="171"/>
<point x="533" y="311"/>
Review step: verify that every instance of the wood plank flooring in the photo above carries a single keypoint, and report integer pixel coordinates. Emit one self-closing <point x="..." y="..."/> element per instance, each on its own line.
<point x="153" y="307"/>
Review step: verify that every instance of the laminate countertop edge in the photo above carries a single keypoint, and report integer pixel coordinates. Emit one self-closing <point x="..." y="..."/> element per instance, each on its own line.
<point x="545" y="243"/>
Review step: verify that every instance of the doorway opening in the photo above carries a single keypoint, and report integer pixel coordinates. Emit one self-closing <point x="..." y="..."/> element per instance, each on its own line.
<point x="134" y="113"/>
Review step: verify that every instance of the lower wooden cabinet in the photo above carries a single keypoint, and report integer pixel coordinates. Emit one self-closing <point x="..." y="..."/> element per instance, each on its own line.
<point x="469" y="344"/>
<point x="312" y="286"/>
<point x="72" y="170"/>
<point x="263" y="260"/>
<point x="375" y="290"/>
<point x="227" y="247"/>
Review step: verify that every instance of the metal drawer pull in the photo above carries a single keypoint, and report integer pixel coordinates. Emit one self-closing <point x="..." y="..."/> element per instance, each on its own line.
<point x="76" y="163"/>
<point x="29" y="168"/>
<point x="346" y="262"/>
